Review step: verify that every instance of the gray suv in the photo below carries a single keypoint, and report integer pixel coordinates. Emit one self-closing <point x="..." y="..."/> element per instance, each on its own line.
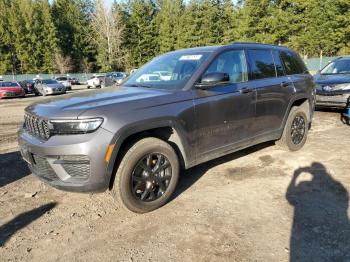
<point x="135" y="139"/>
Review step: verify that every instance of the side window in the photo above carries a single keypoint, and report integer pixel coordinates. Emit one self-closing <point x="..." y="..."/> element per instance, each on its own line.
<point x="278" y="63"/>
<point x="262" y="64"/>
<point x="293" y="63"/>
<point x="232" y="63"/>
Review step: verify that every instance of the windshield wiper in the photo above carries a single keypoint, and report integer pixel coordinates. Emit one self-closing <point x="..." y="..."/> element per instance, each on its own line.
<point x="137" y="85"/>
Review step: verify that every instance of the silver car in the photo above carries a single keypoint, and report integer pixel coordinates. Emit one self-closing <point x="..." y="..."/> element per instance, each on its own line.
<point x="64" y="81"/>
<point x="49" y="87"/>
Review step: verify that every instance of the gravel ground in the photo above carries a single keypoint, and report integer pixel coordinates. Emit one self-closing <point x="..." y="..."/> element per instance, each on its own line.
<point x="259" y="204"/>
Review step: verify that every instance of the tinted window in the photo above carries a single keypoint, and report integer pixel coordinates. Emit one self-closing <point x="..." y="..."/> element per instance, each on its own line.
<point x="232" y="63"/>
<point x="278" y="63"/>
<point x="61" y="78"/>
<point x="341" y="66"/>
<point x="8" y="84"/>
<point x="262" y="64"/>
<point x="49" y="81"/>
<point x="293" y="63"/>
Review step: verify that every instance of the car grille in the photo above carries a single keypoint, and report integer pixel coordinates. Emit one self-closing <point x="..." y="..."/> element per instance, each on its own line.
<point x="36" y="126"/>
<point x="76" y="166"/>
<point x="42" y="169"/>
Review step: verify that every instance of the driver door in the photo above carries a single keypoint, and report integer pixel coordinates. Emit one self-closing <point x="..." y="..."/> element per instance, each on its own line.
<point x="224" y="114"/>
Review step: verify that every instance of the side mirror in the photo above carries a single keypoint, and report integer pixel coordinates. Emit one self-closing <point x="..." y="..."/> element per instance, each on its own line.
<point x="213" y="79"/>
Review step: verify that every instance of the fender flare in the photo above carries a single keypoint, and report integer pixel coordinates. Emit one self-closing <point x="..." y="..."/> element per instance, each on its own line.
<point x="142" y="126"/>
<point x="293" y="100"/>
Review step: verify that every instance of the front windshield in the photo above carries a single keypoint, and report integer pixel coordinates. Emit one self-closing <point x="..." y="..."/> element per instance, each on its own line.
<point x="169" y="71"/>
<point x="49" y="81"/>
<point x="8" y="84"/>
<point x="337" y="67"/>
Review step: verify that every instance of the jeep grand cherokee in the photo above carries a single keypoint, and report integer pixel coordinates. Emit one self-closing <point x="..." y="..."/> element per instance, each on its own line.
<point x="134" y="140"/>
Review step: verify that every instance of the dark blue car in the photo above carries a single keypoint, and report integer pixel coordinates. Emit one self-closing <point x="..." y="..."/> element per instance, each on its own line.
<point x="333" y="84"/>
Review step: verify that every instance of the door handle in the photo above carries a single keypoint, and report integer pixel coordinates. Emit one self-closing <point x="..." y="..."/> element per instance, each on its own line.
<point x="245" y="90"/>
<point x="285" y="84"/>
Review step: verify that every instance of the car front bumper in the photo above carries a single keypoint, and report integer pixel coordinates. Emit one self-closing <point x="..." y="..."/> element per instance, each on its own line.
<point x="335" y="101"/>
<point x="55" y="92"/>
<point x="72" y="163"/>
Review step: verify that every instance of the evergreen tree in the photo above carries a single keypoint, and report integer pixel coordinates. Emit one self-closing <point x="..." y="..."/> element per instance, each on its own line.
<point x="141" y="32"/>
<point x="229" y="22"/>
<point x="71" y="19"/>
<point x="168" y="24"/>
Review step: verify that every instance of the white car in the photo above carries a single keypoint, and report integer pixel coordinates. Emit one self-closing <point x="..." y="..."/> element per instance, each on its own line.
<point x="64" y="81"/>
<point x="148" y="78"/>
<point x="96" y="81"/>
<point x="164" y="75"/>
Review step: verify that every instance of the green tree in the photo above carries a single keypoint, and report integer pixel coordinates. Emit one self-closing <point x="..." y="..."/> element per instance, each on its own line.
<point x="140" y="32"/>
<point x="72" y="21"/>
<point x="168" y="24"/>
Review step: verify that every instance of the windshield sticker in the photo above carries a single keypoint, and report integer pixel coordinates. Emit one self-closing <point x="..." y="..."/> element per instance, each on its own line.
<point x="190" y="57"/>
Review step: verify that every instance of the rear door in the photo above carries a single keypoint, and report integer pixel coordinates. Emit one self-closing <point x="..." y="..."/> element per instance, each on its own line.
<point x="273" y="89"/>
<point x="296" y="70"/>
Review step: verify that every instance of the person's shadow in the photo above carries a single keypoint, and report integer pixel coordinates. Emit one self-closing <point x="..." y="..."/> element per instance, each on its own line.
<point x="321" y="229"/>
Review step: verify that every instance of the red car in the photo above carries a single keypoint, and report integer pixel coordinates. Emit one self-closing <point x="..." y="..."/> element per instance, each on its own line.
<point x="11" y="89"/>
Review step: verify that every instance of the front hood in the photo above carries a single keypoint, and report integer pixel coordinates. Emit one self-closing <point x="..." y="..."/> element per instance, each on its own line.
<point x="332" y="79"/>
<point x="11" y="89"/>
<point x="119" y="98"/>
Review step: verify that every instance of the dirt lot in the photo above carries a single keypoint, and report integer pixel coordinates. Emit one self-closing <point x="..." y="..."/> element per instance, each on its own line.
<point x="260" y="204"/>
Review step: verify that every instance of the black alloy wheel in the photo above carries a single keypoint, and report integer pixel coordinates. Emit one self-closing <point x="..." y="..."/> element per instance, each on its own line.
<point x="151" y="177"/>
<point x="298" y="130"/>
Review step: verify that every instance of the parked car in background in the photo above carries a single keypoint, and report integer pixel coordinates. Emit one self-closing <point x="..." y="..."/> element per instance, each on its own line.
<point x="114" y="78"/>
<point x="11" y="89"/>
<point x="164" y="75"/>
<point x="333" y="84"/>
<point x="64" y="81"/>
<point x="148" y="78"/>
<point x="136" y="139"/>
<point x="96" y="81"/>
<point x="29" y="87"/>
<point x="49" y="87"/>
<point x="74" y="81"/>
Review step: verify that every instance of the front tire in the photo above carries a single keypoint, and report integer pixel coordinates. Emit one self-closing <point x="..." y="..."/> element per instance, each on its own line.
<point x="295" y="130"/>
<point x="147" y="175"/>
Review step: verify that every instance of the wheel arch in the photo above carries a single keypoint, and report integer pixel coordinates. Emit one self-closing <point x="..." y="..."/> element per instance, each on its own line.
<point x="303" y="102"/>
<point x="167" y="130"/>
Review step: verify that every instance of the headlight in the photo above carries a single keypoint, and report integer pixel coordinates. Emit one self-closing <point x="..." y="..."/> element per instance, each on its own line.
<point x="66" y="127"/>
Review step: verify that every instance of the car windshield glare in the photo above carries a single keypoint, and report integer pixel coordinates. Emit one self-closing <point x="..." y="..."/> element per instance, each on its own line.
<point x="8" y="84"/>
<point x="337" y="67"/>
<point x="49" y="81"/>
<point x="169" y="71"/>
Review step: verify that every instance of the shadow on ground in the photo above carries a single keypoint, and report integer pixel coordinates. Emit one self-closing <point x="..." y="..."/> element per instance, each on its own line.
<point x="192" y="175"/>
<point x="321" y="229"/>
<point x="344" y="116"/>
<point x="9" y="229"/>
<point x="12" y="168"/>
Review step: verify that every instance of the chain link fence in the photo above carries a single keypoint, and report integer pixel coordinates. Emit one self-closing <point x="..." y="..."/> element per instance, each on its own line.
<point x="313" y="64"/>
<point x="82" y="77"/>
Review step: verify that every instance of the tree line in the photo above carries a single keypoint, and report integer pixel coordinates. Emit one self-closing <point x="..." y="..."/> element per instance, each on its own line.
<point x="38" y="36"/>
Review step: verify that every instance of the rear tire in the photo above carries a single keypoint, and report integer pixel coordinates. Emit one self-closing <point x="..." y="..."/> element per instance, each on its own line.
<point x="88" y="87"/>
<point x="295" y="130"/>
<point x="137" y="176"/>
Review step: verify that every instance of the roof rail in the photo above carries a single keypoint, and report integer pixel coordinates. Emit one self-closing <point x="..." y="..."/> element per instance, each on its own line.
<point x="254" y="43"/>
